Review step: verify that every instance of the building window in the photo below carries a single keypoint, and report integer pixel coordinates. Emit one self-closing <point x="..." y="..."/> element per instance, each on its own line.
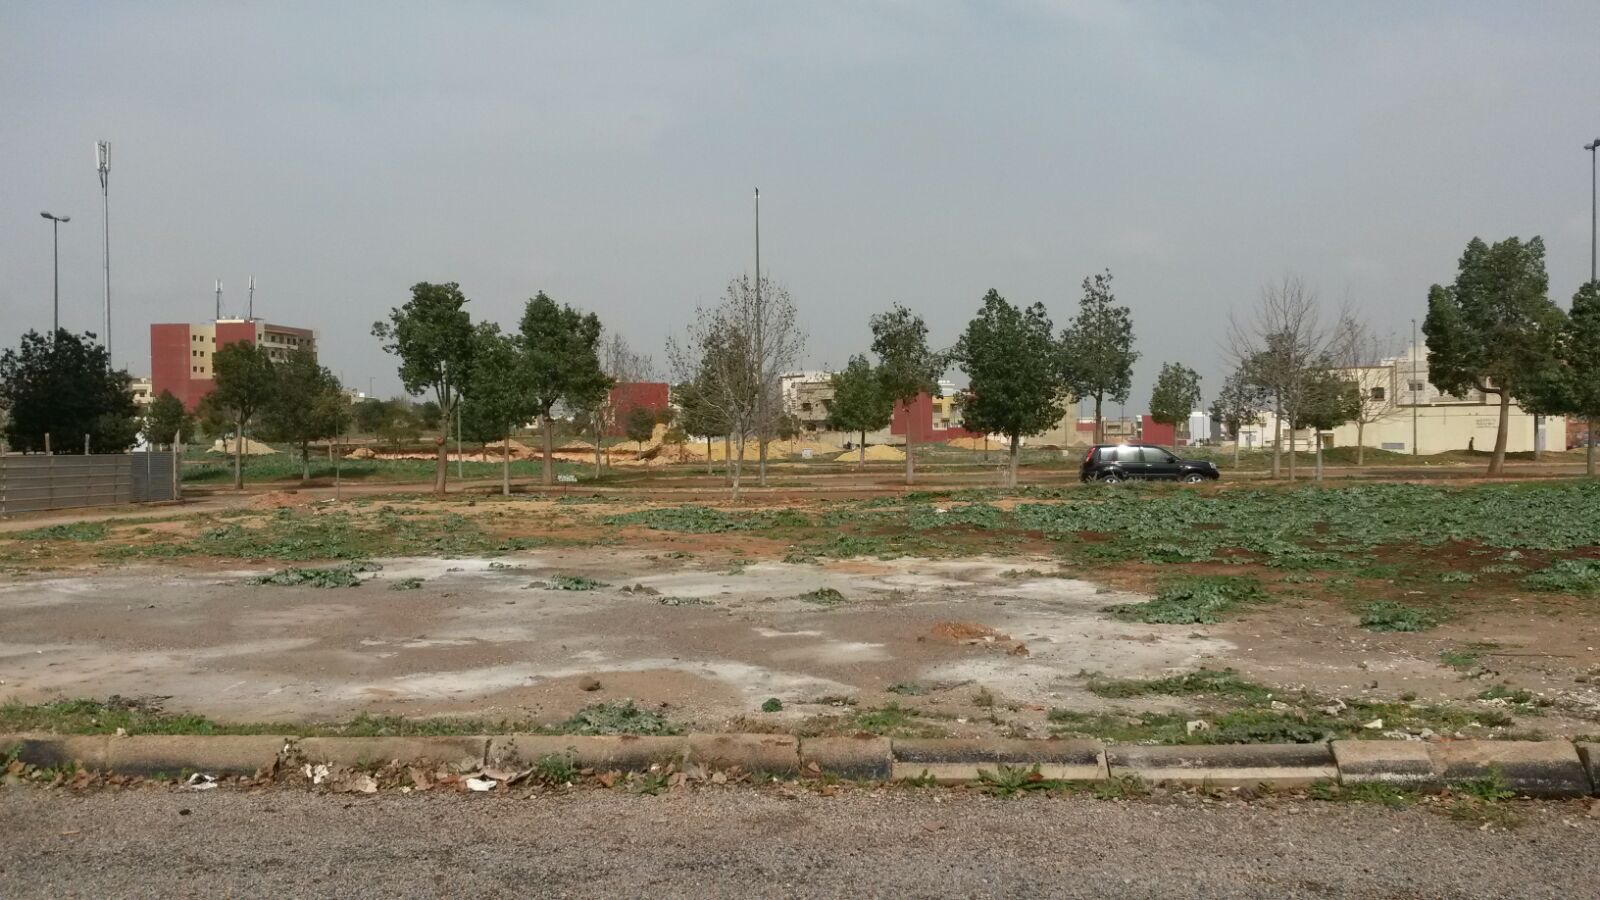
<point x="1416" y="387"/>
<point x="1377" y="393"/>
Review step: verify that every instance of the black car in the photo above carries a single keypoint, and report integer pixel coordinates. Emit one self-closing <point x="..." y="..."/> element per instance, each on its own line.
<point x="1112" y="463"/>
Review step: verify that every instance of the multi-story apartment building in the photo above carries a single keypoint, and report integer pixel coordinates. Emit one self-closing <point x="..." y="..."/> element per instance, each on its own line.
<point x="181" y="354"/>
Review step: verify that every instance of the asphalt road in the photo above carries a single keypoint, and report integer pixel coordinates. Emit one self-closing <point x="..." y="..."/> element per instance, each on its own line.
<point x="743" y="842"/>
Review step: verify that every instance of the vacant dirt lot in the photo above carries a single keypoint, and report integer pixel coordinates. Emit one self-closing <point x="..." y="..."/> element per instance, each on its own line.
<point x="933" y="615"/>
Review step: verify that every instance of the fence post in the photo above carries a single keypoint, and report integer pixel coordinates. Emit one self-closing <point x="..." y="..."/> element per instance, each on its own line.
<point x="177" y="468"/>
<point x="49" y="473"/>
<point x="86" y="445"/>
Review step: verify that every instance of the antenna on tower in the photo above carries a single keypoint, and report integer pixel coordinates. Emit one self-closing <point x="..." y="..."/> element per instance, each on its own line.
<point x="219" y="300"/>
<point x="250" y="306"/>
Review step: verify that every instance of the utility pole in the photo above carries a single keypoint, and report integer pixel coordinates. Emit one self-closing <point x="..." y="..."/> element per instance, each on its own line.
<point x="219" y="300"/>
<point x="102" y="152"/>
<point x="55" y="230"/>
<point x="1413" y="387"/>
<point x="250" y="304"/>
<point x="761" y="360"/>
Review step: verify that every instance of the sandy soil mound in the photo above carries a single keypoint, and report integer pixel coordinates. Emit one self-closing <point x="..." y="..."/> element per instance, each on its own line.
<point x="251" y="448"/>
<point x="875" y="453"/>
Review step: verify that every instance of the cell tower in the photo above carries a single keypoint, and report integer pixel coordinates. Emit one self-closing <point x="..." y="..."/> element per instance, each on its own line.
<point x="250" y="304"/>
<point x="219" y="300"/>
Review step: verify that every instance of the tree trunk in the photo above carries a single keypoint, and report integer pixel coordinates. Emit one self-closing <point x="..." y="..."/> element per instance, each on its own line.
<point x="1099" y="420"/>
<point x="442" y="469"/>
<point x="305" y="461"/>
<point x="238" y="455"/>
<point x="1292" y="442"/>
<point x="861" y="454"/>
<point x="1588" y="446"/>
<point x="1318" y="439"/>
<point x="1361" y="443"/>
<point x="911" y="456"/>
<point x="736" y="468"/>
<point x="1011" y="470"/>
<point x="505" y="465"/>
<point x="710" y="468"/>
<point x="1538" y="449"/>
<point x="1497" y="463"/>
<point x="727" y="459"/>
<point x="549" y="449"/>
<point x="1277" y="436"/>
<point x="1238" y="439"/>
<point x="597" y="454"/>
<point x="761" y="468"/>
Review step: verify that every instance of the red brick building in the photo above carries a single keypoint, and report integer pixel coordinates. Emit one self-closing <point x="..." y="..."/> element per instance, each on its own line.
<point x="181" y="353"/>
<point x="929" y="420"/>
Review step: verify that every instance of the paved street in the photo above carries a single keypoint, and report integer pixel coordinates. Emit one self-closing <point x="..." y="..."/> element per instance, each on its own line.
<point x="741" y="842"/>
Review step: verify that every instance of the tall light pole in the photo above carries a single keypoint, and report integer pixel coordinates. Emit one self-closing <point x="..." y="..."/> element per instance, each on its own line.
<point x="102" y="153"/>
<point x="1413" y="387"/>
<point x="1594" y="150"/>
<point x="55" y="228"/>
<point x="761" y="358"/>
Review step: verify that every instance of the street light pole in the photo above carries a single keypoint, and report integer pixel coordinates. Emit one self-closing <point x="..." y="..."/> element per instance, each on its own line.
<point x="102" y="150"/>
<point x="55" y="230"/>
<point x="1413" y="387"/>
<point x="1594" y="151"/>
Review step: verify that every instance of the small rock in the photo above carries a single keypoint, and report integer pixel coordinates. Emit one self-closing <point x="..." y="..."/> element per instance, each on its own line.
<point x="1279" y="705"/>
<point x="589" y="684"/>
<point x="1375" y="724"/>
<point x="1195" y="725"/>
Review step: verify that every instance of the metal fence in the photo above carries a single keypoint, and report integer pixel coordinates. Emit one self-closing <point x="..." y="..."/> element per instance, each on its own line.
<point x="34" y="482"/>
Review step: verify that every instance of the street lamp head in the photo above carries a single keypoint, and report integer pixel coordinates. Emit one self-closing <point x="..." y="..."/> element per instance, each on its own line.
<point x="56" y="218"/>
<point x="1591" y="147"/>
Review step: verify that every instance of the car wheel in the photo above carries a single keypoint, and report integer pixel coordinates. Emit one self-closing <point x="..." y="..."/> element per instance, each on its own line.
<point x="1111" y="478"/>
<point x="1193" y="478"/>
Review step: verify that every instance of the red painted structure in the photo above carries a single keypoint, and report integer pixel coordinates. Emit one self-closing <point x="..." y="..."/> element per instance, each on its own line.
<point x="652" y="395"/>
<point x="918" y="417"/>
<point x="181" y="353"/>
<point x="1153" y="432"/>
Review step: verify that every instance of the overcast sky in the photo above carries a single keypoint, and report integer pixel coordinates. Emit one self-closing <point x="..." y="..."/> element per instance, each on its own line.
<point x="915" y="151"/>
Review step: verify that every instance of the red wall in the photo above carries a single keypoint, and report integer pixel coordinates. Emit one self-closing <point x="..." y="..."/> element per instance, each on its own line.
<point x="1153" y="432"/>
<point x="919" y="415"/>
<point x="653" y="395"/>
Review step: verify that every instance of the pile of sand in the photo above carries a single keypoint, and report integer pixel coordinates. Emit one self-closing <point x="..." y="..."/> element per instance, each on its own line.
<point x="968" y="443"/>
<point x="519" y="450"/>
<point x="251" y="448"/>
<point x="573" y="446"/>
<point x="361" y="453"/>
<point x="875" y="453"/>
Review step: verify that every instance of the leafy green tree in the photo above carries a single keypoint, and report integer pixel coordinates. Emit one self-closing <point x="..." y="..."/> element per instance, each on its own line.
<point x="860" y="403"/>
<point x="1176" y="393"/>
<point x="308" y="404"/>
<point x="246" y="381"/>
<point x="1013" y="372"/>
<point x="1581" y="350"/>
<point x="368" y="415"/>
<point x="1097" y="354"/>
<point x="1238" y="404"/>
<point x="906" y="366"/>
<point x="399" y="426"/>
<point x="560" y="363"/>
<point x="65" y="388"/>
<point x="432" y="334"/>
<point x="639" y="424"/>
<point x="429" y="415"/>
<point x="166" y="420"/>
<point x="496" y="400"/>
<point x="698" y="416"/>
<point x="1494" y="329"/>
<point x="1330" y="398"/>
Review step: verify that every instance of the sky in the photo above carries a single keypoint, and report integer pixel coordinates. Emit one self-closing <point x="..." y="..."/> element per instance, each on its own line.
<point x="917" y="151"/>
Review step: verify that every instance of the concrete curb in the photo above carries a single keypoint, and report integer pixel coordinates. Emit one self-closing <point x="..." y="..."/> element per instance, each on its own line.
<point x="956" y="761"/>
<point x="1226" y="765"/>
<point x="1528" y="768"/>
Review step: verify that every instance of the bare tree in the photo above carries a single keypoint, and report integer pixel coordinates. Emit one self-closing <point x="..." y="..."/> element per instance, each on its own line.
<point x="718" y="356"/>
<point x="1359" y="350"/>
<point x="624" y="366"/>
<point x="765" y="313"/>
<point x="1278" y="345"/>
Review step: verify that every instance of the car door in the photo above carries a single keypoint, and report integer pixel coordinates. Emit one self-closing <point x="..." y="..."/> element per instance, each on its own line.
<point x="1131" y="461"/>
<point x="1159" y="464"/>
